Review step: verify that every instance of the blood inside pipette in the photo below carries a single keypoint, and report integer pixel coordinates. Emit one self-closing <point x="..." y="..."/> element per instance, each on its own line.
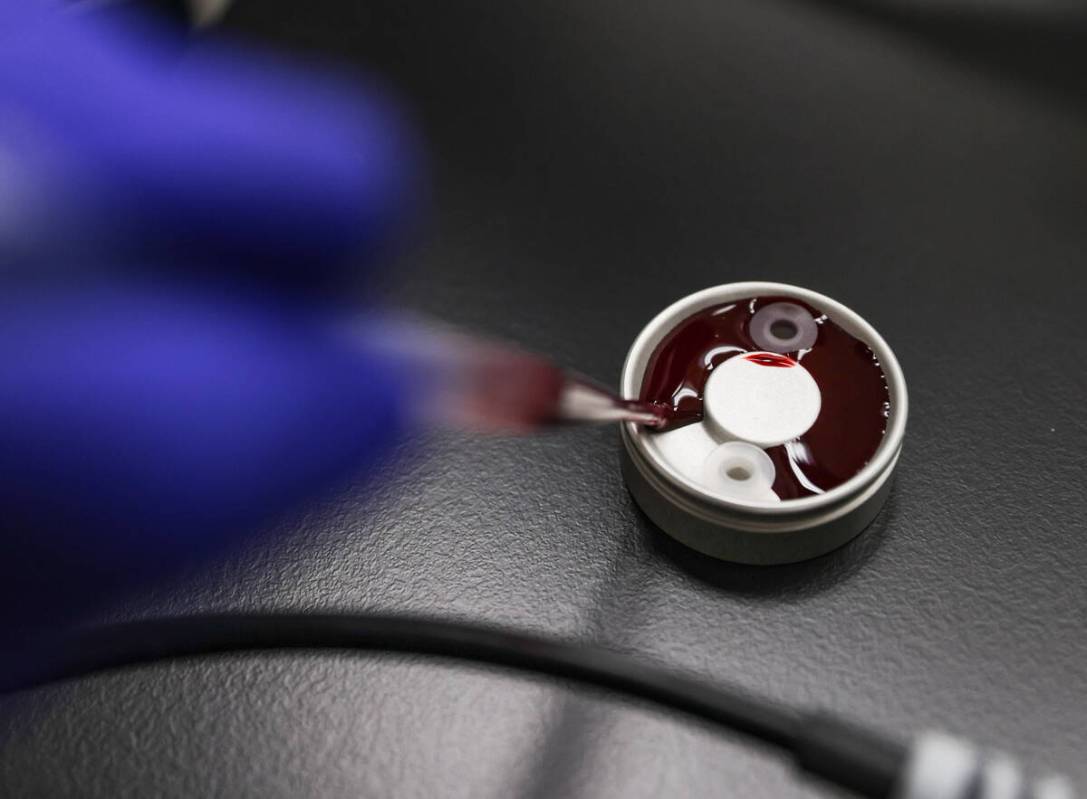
<point x="474" y="383"/>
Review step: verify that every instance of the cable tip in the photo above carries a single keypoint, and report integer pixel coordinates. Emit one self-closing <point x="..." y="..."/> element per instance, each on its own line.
<point x="943" y="767"/>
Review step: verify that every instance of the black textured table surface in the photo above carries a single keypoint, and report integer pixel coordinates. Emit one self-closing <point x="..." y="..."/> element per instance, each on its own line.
<point x="592" y="163"/>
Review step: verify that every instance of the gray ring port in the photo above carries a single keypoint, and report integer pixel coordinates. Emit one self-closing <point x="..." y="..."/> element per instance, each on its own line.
<point x="783" y="327"/>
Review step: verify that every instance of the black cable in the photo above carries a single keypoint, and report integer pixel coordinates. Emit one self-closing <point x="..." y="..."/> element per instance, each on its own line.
<point x="855" y="759"/>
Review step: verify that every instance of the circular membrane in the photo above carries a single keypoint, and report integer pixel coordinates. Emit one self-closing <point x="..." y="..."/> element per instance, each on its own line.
<point x="765" y="401"/>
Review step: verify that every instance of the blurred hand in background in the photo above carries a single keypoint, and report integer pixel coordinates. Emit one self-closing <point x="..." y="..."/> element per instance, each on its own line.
<point x="174" y="226"/>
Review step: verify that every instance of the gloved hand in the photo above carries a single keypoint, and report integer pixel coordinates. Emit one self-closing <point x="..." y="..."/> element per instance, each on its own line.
<point x="172" y="373"/>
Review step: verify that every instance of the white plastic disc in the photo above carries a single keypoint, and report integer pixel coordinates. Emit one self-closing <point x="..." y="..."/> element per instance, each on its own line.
<point x="761" y="397"/>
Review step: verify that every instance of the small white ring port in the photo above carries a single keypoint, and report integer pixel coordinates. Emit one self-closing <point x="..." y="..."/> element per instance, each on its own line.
<point x="739" y="470"/>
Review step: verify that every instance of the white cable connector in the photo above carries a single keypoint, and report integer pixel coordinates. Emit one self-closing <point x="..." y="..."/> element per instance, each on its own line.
<point x="943" y="767"/>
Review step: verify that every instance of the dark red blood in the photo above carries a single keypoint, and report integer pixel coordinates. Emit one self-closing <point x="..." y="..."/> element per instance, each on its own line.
<point x="510" y="390"/>
<point x="770" y="359"/>
<point x="851" y="421"/>
<point x="669" y="417"/>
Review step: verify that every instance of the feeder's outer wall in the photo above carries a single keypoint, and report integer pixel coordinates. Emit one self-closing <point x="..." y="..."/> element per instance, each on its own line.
<point x="754" y="532"/>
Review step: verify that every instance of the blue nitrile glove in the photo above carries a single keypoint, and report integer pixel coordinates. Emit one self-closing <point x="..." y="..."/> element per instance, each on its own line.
<point x="119" y="141"/>
<point x="148" y="419"/>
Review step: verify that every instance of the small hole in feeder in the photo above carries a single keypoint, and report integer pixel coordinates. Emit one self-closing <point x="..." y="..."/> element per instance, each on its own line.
<point x="739" y="473"/>
<point x="783" y="329"/>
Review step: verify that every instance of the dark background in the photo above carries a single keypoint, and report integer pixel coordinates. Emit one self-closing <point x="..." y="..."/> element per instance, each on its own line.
<point x="592" y="162"/>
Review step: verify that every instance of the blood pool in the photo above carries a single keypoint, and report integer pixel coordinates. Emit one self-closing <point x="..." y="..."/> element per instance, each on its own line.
<point x="819" y="412"/>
